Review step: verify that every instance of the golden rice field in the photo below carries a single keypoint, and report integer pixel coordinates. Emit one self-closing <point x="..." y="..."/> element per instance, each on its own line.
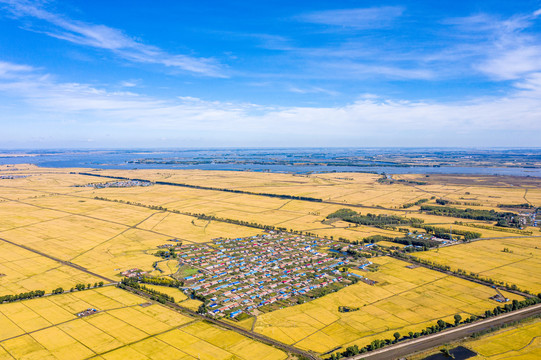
<point x="48" y="213"/>
<point x="25" y="271"/>
<point x="403" y="300"/>
<point x="48" y="328"/>
<point x="290" y="214"/>
<point x="174" y="292"/>
<point x="354" y="188"/>
<point x="520" y="266"/>
<point x="517" y="342"/>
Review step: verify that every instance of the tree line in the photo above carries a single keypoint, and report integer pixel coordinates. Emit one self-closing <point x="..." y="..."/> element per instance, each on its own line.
<point x="517" y="206"/>
<point x="39" y="293"/>
<point x="200" y="187"/>
<point x="432" y="329"/>
<point x="154" y="294"/>
<point x="444" y="233"/>
<point x="21" y="296"/>
<point x="202" y="216"/>
<point x="505" y="219"/>
<point x="460" y="272"/>
<point x="418" y="202"/>
<point x="372" y="219"/>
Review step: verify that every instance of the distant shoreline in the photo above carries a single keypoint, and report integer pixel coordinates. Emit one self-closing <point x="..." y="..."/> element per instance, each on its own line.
<point x="506" y="162"/>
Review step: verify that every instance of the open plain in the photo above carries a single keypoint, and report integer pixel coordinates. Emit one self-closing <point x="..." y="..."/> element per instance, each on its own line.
<point x="61" y="227"/>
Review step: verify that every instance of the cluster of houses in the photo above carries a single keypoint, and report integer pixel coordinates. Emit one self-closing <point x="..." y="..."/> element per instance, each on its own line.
<point x="133" y="273"/>
<point x="87" y="312"/>
<point x="245" y="274"/>
<point x="11" y="177"/>
<point x="117" y="184"/>
<point x="532" y="218"/>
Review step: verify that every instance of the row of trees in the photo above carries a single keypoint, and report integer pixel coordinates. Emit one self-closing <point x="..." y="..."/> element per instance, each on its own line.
<point x="515" y="305"/>
<point x="201" y="216"/>
<point x="418" y="202"/>
<point x="155" y="294"/>
<point x="22" y="296"/>
<point x="461" y="272"/>
<point x="81" y="287"/>
<point x="517" y="206"/>
<point x="372" y="219"/>
<point x="379" y="343"/>
<point x="39" y="293"/>
<point x="425" y="243"/>
<point x="289" y="197"/>
<point x="506" y="219"/>
<point x="496" y="228"/>
<point x="161" y="281"/>
<point x="439" y="326"/>
<point x="444" y="233"/>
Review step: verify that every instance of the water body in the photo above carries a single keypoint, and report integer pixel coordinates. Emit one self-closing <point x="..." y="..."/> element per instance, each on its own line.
<point x="123" y="159"/>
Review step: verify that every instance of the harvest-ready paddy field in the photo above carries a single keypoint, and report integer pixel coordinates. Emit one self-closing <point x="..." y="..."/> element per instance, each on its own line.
<point x="514" y="261"/>
<point x="519" y="341"/>
<point x="402" y="300"/>
<point x="123" y="327"/>
<point x="60" y="228"/>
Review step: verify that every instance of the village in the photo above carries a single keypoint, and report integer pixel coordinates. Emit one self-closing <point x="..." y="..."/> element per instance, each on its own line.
<point x="117" y="184"/>
<point x="245" y="275"/>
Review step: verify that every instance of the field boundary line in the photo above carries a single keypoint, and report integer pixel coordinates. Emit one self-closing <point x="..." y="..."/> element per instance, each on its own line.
<point x="63" y="262"/>
<point x="252" y="335"/>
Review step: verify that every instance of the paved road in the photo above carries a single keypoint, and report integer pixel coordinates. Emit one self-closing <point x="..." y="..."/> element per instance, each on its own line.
<point x="63" y="262"/>
<point x="405" y="348"/>
<point x="230" y="326"/>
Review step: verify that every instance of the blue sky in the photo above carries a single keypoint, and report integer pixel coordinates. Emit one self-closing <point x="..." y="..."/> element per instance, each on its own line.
<point x="124" y="74"/>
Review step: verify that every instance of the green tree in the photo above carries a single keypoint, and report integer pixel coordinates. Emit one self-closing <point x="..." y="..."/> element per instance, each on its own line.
<point x="446" y="353"/>
<point x="441" y="324"/>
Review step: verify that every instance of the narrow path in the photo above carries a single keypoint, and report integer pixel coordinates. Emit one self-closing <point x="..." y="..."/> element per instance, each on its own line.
<point x="375" y="302"/>
<point x="145" y="338"/>
<point x="67" y="263"/>
<point x="464" y="277"/>
<point x="524" y="196"/>
<point x="232" y="327"/>
<point x="64" y="322"/>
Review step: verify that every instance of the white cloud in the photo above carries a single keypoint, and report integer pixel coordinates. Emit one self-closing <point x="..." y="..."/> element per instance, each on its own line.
<point x="504" y="48"/>
<point x="10" y="70"/>
<point x="114" y="40"/>
<point x="513" y="62"/>
<point x="130" y="83"/>
<point x="312" y="90"/>
<point x="371" y="117"/>
<point x="365" y="18"/>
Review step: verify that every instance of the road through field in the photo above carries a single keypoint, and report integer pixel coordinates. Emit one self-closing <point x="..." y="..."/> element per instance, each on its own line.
<point x="67" y="263"/>
<point x="426" y="342"/>
<point x="230" y="326"/>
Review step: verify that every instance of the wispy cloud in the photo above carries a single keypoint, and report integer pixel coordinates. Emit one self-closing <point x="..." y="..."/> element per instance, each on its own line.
<point x="504" y="48"/>
<point x="364" y="18"/>
<point x="10" y="70"/>
<point x="111" y="39"/>
<point x="312" y="90"/>
<point x="360" y="122"/>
